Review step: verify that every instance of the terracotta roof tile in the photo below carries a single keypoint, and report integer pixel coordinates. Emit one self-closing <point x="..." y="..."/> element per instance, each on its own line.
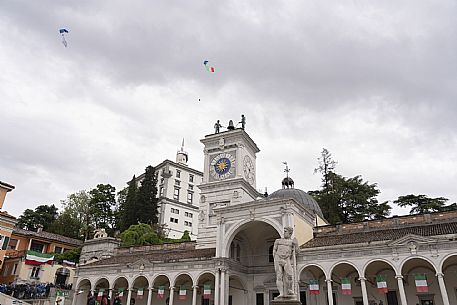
<point x="334" y="239"/>
<point x="160" y="255"/>
<point x="49" y="236"/>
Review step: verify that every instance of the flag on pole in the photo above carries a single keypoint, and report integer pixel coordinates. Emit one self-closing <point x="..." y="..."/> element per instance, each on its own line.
<point x="161" y="292"/>
<point x="346" y="286"/>
<point x="140" y="293"/>
<point x="121" y="292"/>
<point x="382" y="284"/>
<point x="206" y="292"/>
<point x="69" y="263"/>
<point x="421" y="283"/>
<point x="182" y="293"/>
<point x="37" y="258"/>
<point x="314" y="286"/>
<point x="100" y="294"/>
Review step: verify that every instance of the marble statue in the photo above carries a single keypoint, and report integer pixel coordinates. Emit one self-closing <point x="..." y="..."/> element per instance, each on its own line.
<point x="100" y="233"/>
<point x="284" y="251"/>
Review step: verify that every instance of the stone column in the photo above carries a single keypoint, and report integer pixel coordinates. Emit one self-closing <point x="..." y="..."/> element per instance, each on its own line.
<point x="363" y="285"/>
<point x="216" y="289"/>
<point x="149" y="296"/>
<point x="194" y="295"/>
<point x="75" y="296"/>
<point x="329" y="291"/>
<point x="401" y="289"/>
<point x="129" y="296"/>
<point x="110" y="293"/>
<point x="172" y="295"/>
<point x="443" y="288"/>
<point x="222" y="294"/>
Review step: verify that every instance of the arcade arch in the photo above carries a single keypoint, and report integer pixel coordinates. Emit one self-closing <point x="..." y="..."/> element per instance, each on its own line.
<point x="420" y="266"/>
<point x="140" y="290"/>
<point x="251" y="242"/>
<point x="206" y="279"/>
<point x="307" y="275"/>
<point x="250" y="227"/>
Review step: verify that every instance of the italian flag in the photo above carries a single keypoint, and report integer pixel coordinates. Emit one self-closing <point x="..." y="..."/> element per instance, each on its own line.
<point x="346" y="286"/>
<point x="121" y="292"/>
<point x="382" y="284"/>
<point x="36" y="258"/>
<point x="182" y="293"/>
<point x="421" y="283"/>
<point x="314" y="286"/>
<point x="206" y="292"/>
<point x="161" y="292"/>
<point x="69" y="263"/>
<point x="139" y="293"/>
<point x="100" y="294"/>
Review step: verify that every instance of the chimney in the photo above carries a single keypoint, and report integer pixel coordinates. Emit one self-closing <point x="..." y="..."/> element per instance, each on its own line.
<point x="39" y="228"/>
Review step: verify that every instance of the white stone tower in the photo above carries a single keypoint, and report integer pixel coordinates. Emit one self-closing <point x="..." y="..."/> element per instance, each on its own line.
<point x="229" y="178"/>
<point x="182" y="156"/>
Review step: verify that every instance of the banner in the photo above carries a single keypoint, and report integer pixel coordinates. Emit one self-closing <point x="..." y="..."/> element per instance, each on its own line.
<point x="206" y="292"/>
<point x="314" y="286"/>
<point x="381" y="284"/>
<point x="37" y="258"/>
<point x="60" y="298"/>
<point x="161" y="292"/>
<point x="140" y="293"/>
<point x="421" y="283"/>
<point x="346" y="286"/>
<point x="182" y="293"/>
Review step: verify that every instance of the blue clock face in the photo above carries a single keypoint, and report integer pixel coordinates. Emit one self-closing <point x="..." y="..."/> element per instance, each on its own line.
<point x="222" y="166"/>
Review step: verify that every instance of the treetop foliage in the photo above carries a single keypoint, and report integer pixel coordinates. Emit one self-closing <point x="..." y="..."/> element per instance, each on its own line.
<point x="145" y="234"/>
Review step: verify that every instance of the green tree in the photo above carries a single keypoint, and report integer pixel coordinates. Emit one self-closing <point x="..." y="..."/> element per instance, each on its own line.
<point x="70" y="255"/>
<point x="43" y="215"/>
<point x="78" y="206"/>
<point x="421" y="203"/>
<point x="128" y="210"/>
<point x="147" y="198"/>
<point x="345" y="200"/>
<point x="185" y="236"/>
<point x="67" y="225"/>
<point x="102" y="203"/>
<point x="327" y="200"/>
<point x="137" y="235"/>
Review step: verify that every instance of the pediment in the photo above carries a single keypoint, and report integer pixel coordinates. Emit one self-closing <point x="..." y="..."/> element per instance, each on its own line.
<point x="412" y="239"/>
<point x="140" y="264"/>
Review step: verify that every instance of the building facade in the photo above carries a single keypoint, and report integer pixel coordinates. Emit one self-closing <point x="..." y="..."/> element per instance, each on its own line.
<point x="231" y="261"/>
<point x="15" y="268"/>
<point x="179" y="195"/>
<point x="7" y="221"/>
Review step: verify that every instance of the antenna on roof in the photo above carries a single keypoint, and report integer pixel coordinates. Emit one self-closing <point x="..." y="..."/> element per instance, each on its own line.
<point x="287" y="170"/>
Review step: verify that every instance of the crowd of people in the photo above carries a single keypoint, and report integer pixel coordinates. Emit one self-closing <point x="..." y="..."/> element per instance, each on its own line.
<point x="105" y="300"/>
<point x="31" y="291"/>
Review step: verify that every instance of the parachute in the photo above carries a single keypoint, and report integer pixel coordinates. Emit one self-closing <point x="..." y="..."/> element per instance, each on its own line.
<point x="208" y="67"/>
<point x="62" y="32"/>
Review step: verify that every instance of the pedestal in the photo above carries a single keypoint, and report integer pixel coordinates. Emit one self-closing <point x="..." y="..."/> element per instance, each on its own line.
<point x="285" y="301"/>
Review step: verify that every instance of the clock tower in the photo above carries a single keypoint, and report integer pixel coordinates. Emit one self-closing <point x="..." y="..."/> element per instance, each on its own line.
<point x="229" y="178"/>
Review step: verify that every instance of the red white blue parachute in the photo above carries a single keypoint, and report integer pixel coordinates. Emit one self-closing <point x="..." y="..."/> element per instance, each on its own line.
<point x="208" y="67"/>
<point x="62" y="32"/>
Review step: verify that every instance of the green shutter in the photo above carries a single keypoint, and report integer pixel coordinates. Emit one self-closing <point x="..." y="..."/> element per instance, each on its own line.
<point x="5" y="243"/>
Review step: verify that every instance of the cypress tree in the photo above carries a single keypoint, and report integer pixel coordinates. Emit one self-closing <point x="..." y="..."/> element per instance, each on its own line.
<point x="147" y="198"/>
<point x="129" y="210"/>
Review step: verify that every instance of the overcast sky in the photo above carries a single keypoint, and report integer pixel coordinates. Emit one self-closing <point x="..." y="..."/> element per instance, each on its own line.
<point x="375" y="82"/>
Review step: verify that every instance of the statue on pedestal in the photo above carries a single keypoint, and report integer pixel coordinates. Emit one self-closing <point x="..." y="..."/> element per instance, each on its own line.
<point x="284" y="251"/>
<point x="217" y="127"/>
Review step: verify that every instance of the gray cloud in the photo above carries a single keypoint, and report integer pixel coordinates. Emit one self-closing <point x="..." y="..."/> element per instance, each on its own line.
<point x="373" y="82"/>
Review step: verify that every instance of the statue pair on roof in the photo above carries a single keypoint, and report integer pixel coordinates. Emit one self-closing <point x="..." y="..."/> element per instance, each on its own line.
<point x="230" y="126"/>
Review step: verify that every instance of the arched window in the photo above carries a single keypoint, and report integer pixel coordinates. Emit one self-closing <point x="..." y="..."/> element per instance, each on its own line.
<point x="235" y="251"/>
